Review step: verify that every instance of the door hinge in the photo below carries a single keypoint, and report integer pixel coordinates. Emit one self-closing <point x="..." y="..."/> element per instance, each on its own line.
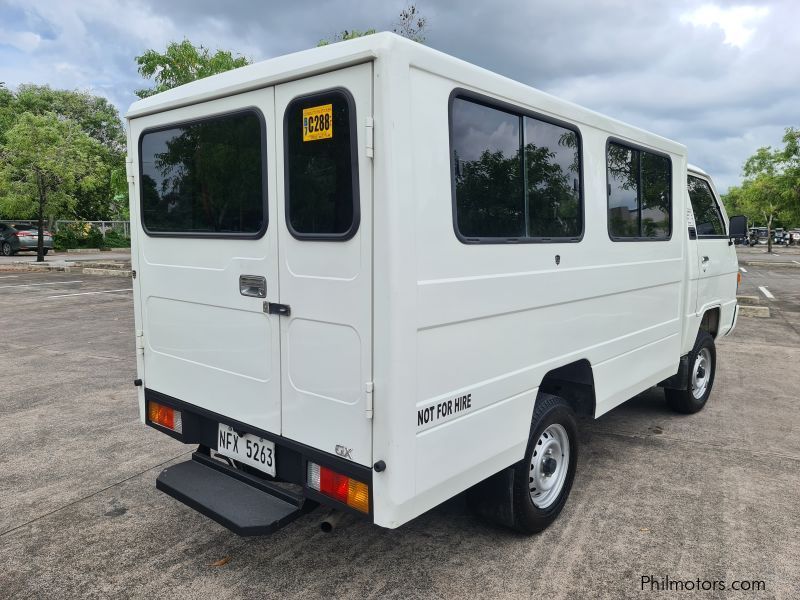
<point x="368" y="387"/>
<point x="273" y="308"/>
<point x="370" y="135"/>
<point x="129" y="175"/>
<point x="139" y="341"/>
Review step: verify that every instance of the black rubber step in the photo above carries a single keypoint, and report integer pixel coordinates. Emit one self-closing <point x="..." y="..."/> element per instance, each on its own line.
<point x="241" y="507"/>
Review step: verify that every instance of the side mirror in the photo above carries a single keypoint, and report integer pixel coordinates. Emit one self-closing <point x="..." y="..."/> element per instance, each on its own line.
<point x="737" y="227"/>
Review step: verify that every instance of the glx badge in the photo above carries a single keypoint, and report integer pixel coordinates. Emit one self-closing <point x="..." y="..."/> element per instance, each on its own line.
<point x="344" y="452"/>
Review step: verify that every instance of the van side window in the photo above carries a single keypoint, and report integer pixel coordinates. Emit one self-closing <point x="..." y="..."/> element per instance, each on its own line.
<point x="639" y="193"/>
<point x="708" y="220"/>
<point x="205" y="177"/>
<point x="321" y="167"/>
<point x="516" y="177"/>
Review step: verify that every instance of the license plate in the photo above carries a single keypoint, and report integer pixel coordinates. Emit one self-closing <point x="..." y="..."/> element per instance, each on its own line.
<point x="248" y="449"/>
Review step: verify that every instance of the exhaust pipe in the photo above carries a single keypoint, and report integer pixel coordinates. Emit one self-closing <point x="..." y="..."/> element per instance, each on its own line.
<point x="330" y="521"/>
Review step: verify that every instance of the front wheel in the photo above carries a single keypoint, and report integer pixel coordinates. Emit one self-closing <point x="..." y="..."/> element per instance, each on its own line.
<point x="543" y="479"/>
<point x="702" y="368"/>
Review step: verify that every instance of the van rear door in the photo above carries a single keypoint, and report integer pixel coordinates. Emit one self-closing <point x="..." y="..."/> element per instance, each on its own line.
<point x="208" y="255"/>
<point x="325" y="236"/>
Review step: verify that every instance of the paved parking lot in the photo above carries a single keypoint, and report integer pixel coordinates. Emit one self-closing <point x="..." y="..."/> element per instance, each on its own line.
<point x="712" y="496"/>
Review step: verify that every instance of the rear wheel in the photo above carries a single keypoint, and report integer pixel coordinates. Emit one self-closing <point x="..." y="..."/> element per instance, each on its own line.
<point x="543" y="479"/>
<point x="45" y="251"/>
<point x="5" y="249"/>
<point x="702" y="368"/>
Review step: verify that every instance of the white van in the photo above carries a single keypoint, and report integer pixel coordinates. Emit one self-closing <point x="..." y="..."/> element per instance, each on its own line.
<point x="373" y="276"/>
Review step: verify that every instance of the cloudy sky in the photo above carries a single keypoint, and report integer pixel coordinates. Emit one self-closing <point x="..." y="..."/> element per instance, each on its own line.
<point x="721" y="77"/>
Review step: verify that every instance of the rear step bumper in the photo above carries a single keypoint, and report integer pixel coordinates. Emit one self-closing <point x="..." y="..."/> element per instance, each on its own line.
<point x="245" y="505"/>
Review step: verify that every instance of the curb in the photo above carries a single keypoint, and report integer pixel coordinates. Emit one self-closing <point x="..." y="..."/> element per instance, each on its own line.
<point x="770" y="263"/>
<point x="760" y="312"/>
<point x="112" y="272"/>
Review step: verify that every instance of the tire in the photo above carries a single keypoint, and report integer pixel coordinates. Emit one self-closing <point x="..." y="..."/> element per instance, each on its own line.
<point x="702" y="369"/>
<point x="45" y="251"/>
<point x="539" y="496"/>
<point x="5" y="249"/>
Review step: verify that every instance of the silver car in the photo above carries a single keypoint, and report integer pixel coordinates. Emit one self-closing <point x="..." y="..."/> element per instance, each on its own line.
<point x="15" y="237"/>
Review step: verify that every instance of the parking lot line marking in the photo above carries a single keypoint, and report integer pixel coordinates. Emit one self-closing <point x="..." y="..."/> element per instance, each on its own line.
<point x="795" y="261"/>
<point x="8" y="276"/>
<point x="89" y="293"/>
<point x="35" y="284"/>
<point x="743" y="270"/>
<point x="766" y="292"/>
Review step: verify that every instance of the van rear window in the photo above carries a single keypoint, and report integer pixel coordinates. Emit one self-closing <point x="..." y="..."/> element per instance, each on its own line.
<point x="321" y="167"/>
<point x="205" y="177"/>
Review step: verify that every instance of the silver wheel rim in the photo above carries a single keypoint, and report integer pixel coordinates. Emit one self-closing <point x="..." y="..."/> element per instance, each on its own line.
<point x="701" y="373"/>
<point x="549" y="466"/>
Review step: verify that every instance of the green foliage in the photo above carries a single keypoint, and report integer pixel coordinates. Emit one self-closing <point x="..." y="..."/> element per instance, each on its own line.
<point x="181" y="63"/>
<point x="44" y="161"/>
<point x="346" y="35"/>
<point x="114" y="239"/>
<point x="84" y="235"/>
<point x="411" y="24"/>
<point x="770" y="192"/>
<point x="95" y="117"/>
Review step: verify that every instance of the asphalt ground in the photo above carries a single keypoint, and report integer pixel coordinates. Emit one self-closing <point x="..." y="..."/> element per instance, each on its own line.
<point x="712" y="496"/>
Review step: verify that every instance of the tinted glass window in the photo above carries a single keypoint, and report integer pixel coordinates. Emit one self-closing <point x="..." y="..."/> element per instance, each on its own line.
<point x="515" y="177"/>
<point x="707" y="218"/>
<point x="552" y="178"/>
<point x="656" y="175"/>
<point x="486" y="154"/>
<point x="321" y="169"/>
<point x="205" y="177"/>
<point x="639" y="193"/>
<point x="623" y="192"/>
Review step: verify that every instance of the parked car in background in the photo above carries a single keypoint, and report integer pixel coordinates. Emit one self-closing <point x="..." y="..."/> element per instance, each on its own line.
<point x="15" y="237"/>
<point x="794" y="237"/>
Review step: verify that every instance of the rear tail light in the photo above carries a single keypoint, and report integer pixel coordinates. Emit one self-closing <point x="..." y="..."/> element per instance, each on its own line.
<point x="23" y="234"/>
<point x="165" y="416"/>
<point x="339" y="487"/>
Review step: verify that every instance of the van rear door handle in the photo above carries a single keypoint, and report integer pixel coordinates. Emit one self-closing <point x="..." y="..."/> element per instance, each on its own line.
<point x="254" y="286"/>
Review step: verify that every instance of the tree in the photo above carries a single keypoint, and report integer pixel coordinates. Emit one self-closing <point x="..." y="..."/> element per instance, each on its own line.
<point x="770" y="190"/>
<point x="43" y="161"/>
<point x="411" y="24"/>
<point x="181" y="63"/>
<point x="97" y="118"/>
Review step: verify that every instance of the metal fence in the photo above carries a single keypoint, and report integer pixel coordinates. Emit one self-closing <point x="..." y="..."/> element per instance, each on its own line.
<point x="123" y="227"/>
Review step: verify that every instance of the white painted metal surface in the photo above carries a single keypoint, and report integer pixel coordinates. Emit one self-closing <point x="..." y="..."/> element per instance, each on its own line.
<point x="462" y="333"/>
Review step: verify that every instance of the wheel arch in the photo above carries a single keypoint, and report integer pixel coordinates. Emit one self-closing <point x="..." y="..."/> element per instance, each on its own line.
<point x="574" y="382"/>
<point x="711" y="320"/>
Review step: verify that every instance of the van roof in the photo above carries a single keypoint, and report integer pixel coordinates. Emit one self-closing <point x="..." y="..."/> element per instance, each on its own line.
<point x="327" y="58"/>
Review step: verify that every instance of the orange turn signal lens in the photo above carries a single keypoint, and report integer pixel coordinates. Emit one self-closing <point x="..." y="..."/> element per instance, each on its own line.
<point x="165" y="416"/>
